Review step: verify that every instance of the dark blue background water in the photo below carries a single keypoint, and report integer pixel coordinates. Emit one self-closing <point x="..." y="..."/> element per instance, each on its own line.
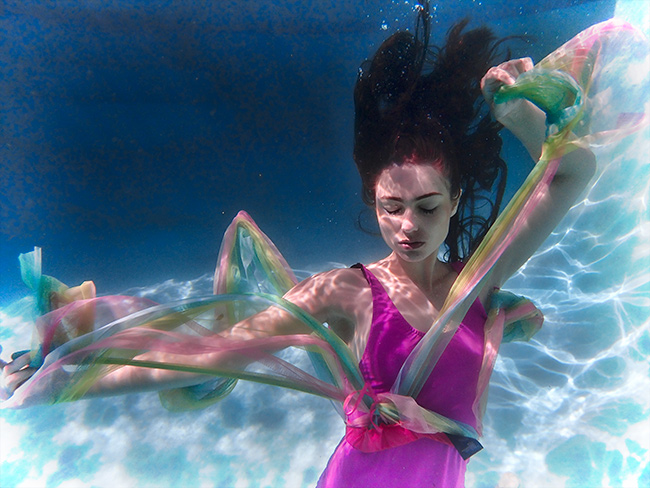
<point x="133" y="131"/>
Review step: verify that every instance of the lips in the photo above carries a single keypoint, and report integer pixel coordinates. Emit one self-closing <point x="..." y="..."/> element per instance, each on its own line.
<point x="411" y="245"/>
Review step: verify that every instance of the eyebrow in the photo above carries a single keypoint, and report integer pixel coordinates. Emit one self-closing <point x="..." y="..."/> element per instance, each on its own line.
<point x="421" y="197"/>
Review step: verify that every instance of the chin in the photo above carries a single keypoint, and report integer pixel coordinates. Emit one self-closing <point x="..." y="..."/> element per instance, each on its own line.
<point x="415" y="256"/>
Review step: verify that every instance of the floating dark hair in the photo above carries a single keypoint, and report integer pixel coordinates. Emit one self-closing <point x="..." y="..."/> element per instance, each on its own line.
<point x="415" y="101"/>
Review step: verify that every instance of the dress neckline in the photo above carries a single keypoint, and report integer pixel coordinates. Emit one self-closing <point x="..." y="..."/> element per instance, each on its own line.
<point x="375" y="283"/>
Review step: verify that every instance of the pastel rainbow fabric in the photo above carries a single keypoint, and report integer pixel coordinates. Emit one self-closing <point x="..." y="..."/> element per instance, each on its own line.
<point x="79" y="338"/>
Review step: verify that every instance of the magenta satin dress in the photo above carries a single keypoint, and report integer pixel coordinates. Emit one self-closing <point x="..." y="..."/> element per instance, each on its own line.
<point x="450" y="391"/>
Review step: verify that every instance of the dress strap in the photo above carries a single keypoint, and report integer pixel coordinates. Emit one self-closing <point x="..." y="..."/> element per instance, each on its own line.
<point x="367" y="274"/>
<point x="379" y="294"/>
<point x="457" y="266"/>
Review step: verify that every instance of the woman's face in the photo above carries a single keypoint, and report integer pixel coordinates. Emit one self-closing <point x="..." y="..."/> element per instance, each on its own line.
<point x="414" y="205"/>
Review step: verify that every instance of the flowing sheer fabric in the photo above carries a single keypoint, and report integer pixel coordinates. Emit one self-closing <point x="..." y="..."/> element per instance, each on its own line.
<point x="594" y="91"/>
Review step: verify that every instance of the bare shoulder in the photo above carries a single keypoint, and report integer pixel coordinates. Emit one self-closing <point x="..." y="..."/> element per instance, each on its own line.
<point x="332" y="295"/>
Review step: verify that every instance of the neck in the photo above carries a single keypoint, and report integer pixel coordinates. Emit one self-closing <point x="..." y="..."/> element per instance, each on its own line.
<point x="424" y="274"/>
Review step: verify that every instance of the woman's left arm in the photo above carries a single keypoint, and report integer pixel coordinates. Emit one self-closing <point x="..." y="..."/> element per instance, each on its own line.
<point x="576" y="169"/>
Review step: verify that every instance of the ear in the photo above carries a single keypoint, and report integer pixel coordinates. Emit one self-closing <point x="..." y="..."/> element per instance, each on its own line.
<point x="454" y="202"/>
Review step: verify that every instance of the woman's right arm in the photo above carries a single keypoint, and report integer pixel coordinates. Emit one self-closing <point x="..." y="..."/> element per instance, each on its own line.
<point x="128" y="379"/>
<point x="322" y="296"/>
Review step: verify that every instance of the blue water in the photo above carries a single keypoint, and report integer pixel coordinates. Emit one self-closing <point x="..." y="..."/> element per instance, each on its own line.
<point x="105" y="104"/>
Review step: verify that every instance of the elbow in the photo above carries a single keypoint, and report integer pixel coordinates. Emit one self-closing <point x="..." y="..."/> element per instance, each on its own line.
<point x="577" y="168"/>
<point x="588" y="164"/>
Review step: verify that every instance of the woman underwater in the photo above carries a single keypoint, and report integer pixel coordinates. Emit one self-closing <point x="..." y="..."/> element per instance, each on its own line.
<point x="428" y="159"/>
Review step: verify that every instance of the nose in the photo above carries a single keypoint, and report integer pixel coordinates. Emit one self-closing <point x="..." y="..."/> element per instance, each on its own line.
<point x="409" y="222"/>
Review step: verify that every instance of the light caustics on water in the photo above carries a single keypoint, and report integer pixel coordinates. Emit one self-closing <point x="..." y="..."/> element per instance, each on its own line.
<point x="581" y="383"/>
